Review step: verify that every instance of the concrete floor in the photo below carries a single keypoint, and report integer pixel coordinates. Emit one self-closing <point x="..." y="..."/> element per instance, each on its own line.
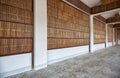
<point x="101" y="64"/>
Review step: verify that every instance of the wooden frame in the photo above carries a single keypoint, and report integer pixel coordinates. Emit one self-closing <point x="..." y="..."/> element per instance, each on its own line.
<point x="116" y="18"/>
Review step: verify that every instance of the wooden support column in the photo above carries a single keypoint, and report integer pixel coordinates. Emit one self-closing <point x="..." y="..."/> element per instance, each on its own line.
<point x="40" y="34"/>
<point x="106" y="44"/>
<point x="91" y="34"/>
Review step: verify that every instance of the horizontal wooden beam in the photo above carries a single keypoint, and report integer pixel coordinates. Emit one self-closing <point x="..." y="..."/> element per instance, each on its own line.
<point x="113" y="19"/>
<point x="116" y="26"/>
<point x="114" y="23"/>
<point x="104" y="2"/>
<point x="107" y="7"/>
<point x="101" y="18"/>
<point x="79" y="5"/>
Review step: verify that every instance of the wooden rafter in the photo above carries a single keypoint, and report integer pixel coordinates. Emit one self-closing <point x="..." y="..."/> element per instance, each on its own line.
<point x="107" y="7"/>
<point x="101" y="18"/>
<point x="116" y="18"/>
<point x="116" y="26"/>
<point x="104" y="2"/>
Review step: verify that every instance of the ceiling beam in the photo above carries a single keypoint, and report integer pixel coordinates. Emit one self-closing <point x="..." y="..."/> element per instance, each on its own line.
<point x="79" y="5"/>
<point x="113" y="19"/>
<point x="101" y="18"/>
<point x="104" y="2"/>
<point x="116" y="26"/>
<point x="104" y="8"/>
<point x="114" y="23"/>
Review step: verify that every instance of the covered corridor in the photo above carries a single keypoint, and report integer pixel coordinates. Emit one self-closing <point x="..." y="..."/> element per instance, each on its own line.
<point x="60" y="38"/>
<point x="101" y="64"/>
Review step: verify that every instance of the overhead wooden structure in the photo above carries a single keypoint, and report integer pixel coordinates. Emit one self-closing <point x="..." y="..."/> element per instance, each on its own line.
<point x="79" y="4"/>
<point x="116" y="18"/>
<point x="106" y="7"/>
<point x="104" y="2"/>
<point x="116" y="26"/>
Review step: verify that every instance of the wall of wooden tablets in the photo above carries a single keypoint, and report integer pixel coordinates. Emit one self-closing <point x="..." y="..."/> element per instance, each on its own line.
<point x="99" y="32"/>
<point x="67" y="26"/>
<point x="110" y="33"/>
<point x="16" y="27"/>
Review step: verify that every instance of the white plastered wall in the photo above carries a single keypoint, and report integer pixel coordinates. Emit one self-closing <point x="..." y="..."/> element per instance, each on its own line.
<point x="57" y="55"/>
<point x="10" y="65"/>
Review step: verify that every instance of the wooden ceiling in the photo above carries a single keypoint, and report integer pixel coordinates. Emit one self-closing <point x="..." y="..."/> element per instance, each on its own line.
<point x="105" y="2"/>
<point x="101" y="18"/>
<point x="106" y="5"/>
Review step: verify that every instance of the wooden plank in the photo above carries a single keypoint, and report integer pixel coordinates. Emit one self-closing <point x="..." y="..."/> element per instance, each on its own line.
<point x="116" y="26"/>
<point x="104" y="2"/>
<point x="101" y="18"/>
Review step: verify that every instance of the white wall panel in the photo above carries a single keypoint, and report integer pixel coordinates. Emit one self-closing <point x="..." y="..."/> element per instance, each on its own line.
<point x="99" y="46"/>
<point x="109" y="44"/>
<point x="10" y="65"/>
<point x="57" y="55"/>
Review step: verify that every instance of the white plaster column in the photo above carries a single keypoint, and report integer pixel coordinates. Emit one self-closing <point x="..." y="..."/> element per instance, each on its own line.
<point x="106" y="43"/>
<point x="116" y="37"/>
<point x="40" y="34"/>
<point x="91" y="34"/>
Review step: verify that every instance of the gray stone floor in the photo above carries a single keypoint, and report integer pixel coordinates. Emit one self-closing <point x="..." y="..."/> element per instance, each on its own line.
<point x="101" y="64"/>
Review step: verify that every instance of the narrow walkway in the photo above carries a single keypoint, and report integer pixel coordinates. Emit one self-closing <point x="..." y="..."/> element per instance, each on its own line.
<point x="101" y="64"/>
